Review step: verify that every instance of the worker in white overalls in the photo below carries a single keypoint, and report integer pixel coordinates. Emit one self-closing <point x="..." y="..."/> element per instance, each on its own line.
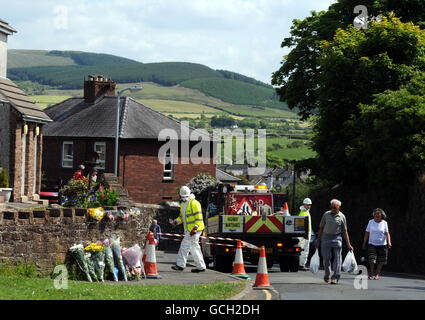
<point x="305" y="242"/>
<point x="191" y="217"/>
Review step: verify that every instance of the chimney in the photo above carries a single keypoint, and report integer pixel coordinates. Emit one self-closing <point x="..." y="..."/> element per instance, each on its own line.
<point x="95" y="87"/>
<point x="5" y="31"/>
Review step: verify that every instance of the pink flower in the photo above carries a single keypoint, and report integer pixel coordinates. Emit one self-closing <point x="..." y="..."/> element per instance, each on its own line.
<point x="110" y="189"/>
<point x="102" y="196"/>
<point x="100" y="189"/>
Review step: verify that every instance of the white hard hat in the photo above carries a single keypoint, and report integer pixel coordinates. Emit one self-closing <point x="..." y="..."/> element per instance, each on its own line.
<point x="307" y="201"/>
<point x="184" y="192"/>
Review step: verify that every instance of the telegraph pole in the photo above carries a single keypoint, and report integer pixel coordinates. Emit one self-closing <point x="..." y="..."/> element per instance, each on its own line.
<point x="294" y="174"/>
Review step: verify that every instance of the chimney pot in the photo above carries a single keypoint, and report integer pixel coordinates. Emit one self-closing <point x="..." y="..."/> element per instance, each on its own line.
<point x="95" y="87"/>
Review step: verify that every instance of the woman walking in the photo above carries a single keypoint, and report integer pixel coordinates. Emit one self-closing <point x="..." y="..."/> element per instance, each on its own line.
<point x="378" y="239"/>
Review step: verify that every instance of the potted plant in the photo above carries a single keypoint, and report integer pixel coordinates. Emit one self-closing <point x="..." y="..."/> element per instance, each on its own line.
<point x="4" y="185"/>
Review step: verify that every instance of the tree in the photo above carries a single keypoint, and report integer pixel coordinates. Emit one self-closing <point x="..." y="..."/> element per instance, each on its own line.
<point x="274" y="161"/>
<point x="222" y="121"/>
<point x="392" y="139"/>
<point x="355" y="66"/>
<point x="298" y="77"/>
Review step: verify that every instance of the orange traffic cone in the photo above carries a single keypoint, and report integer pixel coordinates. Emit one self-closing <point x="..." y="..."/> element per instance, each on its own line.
<point x="150" y="259"/>
<point x="286" y="210"/>
<point x="238" y="266"/>
<point x="262" y="278"/>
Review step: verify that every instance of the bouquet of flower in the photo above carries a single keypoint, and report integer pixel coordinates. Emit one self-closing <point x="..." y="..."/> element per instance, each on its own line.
<point x="90" y="264"/>
<point x="115" y="214"/>
<point x="109" y="258"/>
<point x="116" y="249"/>
<point x="134" y="211"/>
<point x="78" y="252"/>
<point x="110" y="215"/>
<point x="98" y="257"/>
<point x="97" y="213"/>
<point x="132" y="259"/>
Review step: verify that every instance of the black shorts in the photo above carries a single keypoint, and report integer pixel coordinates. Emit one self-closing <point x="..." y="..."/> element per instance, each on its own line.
<point x="377" y="254"/>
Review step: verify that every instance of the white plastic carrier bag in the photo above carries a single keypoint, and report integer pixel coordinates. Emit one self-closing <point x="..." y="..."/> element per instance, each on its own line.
<point x="315" y="262"/>
<point x="350" y="263"/>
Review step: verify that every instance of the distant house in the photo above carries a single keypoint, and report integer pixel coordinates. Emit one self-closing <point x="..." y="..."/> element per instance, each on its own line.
<point x="226" y="178"/>
<point x="21" y="139"/>
<point x="86" y="125"/>
<point x="235" y="169"/>
<point x="276" y="177"/>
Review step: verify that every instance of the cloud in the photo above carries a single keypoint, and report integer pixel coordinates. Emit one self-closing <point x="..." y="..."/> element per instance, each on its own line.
<point x="238" y="35"/>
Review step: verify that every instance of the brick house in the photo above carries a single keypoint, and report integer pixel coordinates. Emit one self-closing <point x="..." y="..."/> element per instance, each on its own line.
<point x="83" y="125"/>
<point x="21" y="138"/>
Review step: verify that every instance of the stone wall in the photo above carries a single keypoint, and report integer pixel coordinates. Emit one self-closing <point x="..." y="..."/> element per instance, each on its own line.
<point x="162" y="214"/>
<point x="44" y="237"/>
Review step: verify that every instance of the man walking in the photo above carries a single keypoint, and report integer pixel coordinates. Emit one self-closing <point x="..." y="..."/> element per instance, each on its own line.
<point x="156" y="230"/>
<point x="305" y="242"/>
<point x="191" y="217"/>
<point x="332" y="225"/>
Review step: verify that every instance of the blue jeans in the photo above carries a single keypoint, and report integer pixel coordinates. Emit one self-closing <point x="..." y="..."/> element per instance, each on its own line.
<point x="332" y="243"/>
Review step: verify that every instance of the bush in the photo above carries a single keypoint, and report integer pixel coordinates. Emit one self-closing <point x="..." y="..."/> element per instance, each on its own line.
<point x="78" y="195"/>
<point x="4" y="180"/>
<point x="200" y="185"/>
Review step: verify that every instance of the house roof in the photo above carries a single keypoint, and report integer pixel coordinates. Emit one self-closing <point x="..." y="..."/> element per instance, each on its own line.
<point x="224" y="176"/>
<point x="6" y="28"/>
<point x="11" y="93"/>
<point x="75" y="118"/>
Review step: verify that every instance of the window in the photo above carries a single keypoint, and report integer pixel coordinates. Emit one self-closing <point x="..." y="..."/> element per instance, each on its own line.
<point x="168" y="166"/>
<point x="67" y="154"/>
<point x="100" y="149"/>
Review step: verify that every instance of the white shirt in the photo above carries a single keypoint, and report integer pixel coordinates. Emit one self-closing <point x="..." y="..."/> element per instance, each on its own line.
<point x="377" y="232"/>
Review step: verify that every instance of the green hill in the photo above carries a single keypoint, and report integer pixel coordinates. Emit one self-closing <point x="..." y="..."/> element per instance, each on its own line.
<point x="234" y="91"/>
<point x="67" y="69"/>
<point x="35" y="58"/>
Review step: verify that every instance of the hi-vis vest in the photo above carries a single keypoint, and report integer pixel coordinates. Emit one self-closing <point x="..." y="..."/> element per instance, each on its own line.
<point x="304" y="213"/>
<point x="193" y="215"/>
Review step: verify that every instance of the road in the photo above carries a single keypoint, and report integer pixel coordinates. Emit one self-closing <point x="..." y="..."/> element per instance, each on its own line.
<point x="304" y="285"/>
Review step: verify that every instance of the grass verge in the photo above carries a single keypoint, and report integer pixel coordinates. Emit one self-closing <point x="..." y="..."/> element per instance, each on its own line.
<point x="21" y="288"/>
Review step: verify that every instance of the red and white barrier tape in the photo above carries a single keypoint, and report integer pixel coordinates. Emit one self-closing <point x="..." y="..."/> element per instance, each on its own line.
<point x="244" y="243"/>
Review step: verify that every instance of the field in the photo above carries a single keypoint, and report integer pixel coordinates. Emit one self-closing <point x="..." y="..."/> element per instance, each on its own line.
<point x="284" y="151"/>
<point x="172" y="106"/>
<point x="175" y="100"/>
<point x="258" y="112"/>
<point x="298" y="153"/>
<point x="44" y="101"/>
<point x="184" y="103"/>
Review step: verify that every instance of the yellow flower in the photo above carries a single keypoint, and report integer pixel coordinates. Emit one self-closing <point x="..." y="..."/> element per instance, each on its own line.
<point x="93" y="247"/>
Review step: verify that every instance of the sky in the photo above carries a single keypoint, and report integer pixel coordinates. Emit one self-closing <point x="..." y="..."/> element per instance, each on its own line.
<point x="243" y="36"/>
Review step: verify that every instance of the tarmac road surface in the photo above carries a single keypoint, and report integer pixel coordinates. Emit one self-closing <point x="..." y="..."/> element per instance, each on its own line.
<point x="304" y="285"/>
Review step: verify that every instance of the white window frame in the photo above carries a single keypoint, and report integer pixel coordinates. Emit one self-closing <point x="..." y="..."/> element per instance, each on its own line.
<point x="102" y="162"/>
<point x="169" y="155"/>
<point x="63" y="154"/>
